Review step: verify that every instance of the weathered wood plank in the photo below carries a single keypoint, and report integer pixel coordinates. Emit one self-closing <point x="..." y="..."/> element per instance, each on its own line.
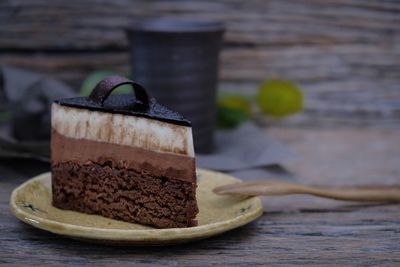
<point x="302" y="64"/>
<point x="337" y="90"/>
<point x="97" y="24"/>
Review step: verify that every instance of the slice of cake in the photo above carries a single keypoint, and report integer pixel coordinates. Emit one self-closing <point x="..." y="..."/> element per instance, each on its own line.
<point x="123" y="157"/>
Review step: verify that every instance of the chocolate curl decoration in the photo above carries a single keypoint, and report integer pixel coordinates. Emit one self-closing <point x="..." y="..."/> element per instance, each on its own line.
<point x="104" y="88"/>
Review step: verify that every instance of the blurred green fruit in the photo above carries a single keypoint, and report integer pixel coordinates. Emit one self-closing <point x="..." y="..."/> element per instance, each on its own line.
<point x="95" y="77"/>
<point x="232" y="111"/>
<point x="279" y="98"/>
<point x="5" y="116"/>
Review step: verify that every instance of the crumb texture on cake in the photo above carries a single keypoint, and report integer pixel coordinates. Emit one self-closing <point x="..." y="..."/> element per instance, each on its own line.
<point x="122" y="129"/>
<point x="122" y="194"/>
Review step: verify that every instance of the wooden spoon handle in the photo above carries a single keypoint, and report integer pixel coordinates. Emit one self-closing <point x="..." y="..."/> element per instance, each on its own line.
<point x="271" y="188"/>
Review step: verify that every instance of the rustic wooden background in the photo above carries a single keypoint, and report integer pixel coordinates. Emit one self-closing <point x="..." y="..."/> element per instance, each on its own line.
<point x="344" y="53"/>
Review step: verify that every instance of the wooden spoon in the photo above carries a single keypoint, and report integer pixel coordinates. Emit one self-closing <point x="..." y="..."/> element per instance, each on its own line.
<point x="278" y="188"/>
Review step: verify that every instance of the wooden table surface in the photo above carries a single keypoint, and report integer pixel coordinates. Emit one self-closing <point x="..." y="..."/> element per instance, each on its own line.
<point x="293" y="230"/>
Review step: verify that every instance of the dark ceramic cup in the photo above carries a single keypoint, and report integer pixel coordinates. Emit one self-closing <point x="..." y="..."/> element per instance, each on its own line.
<point x="177" y="62"/>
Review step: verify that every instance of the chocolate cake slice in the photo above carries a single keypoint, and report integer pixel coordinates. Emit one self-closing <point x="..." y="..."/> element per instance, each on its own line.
<point x="123" y="157"/>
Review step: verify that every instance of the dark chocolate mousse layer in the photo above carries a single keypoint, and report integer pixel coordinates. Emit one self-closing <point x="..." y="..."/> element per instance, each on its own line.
<point x="83" y="151"/>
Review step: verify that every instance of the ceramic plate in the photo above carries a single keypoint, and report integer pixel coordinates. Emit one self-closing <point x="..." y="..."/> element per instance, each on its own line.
<point x="31" y="203"/>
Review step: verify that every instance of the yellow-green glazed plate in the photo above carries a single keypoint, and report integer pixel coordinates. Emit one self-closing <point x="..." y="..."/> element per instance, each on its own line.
<point x="31" y="203"/>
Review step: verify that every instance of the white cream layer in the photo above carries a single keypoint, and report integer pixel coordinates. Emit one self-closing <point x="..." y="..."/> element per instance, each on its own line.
<point x="122" y="129"/>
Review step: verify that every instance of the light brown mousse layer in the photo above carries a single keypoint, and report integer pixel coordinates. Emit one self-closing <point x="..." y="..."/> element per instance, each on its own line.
<point x="83" y="151"/>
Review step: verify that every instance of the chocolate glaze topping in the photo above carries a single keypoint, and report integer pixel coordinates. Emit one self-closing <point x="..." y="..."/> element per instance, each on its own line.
<point x="142" y="105"/>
